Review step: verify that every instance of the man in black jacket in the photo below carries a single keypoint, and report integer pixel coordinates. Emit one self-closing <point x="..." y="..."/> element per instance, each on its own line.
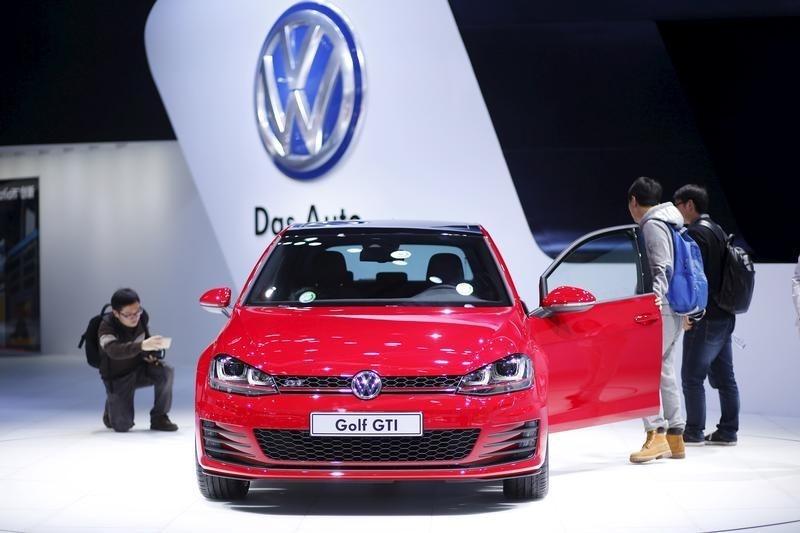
<point x="707" y="342"/>
<point x="130" y="363"/>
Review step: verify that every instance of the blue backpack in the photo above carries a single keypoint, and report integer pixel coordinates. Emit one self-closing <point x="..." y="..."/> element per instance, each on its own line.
<point x="688" y="288"/>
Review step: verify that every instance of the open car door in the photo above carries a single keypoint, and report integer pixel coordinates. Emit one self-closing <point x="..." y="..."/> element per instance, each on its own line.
<point x="600" y="330"/>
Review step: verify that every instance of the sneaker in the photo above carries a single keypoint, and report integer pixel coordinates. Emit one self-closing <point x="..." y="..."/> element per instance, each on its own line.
<point x="655" y="447"/>
<point x="675" y="442"/>
<point x="716" y="440"/>
<point x="162" y="423"/>
<point x="693" y="441"/>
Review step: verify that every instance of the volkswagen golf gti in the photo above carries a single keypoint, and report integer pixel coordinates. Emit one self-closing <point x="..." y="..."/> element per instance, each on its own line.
<point x="375" y="351"/>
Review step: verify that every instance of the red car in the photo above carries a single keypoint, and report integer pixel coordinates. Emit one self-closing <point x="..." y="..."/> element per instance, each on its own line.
<point x="401" y="351"/>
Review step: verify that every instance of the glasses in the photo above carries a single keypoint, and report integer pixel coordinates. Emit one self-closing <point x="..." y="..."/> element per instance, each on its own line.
<point x="130" y="316"/>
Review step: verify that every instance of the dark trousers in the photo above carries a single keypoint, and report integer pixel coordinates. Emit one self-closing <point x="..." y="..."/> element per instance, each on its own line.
<point x="707" y="353"/>
<point x="120" y="391"/>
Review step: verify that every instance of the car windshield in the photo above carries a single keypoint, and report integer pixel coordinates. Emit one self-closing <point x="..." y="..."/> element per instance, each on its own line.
<point x="430" y="269"/>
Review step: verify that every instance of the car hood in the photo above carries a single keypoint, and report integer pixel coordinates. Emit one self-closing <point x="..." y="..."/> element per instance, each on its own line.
<point x="391" y="341"/>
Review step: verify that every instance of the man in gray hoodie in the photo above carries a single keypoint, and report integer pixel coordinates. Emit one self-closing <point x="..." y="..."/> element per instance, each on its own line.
<point x="665" y="430"/>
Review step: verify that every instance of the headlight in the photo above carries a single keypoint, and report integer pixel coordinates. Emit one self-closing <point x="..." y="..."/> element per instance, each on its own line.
<point x="229" y="374"/>
<point x="509" y="374"/>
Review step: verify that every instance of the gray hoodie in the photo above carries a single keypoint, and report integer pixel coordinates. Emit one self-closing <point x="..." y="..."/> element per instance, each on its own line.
<point x="658" y="241"/>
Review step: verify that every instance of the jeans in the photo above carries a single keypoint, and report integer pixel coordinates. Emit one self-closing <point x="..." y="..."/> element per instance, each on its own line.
<point x="669" y="415"/>
<point x="120" y="391"/>
<point x="707" y="353"/>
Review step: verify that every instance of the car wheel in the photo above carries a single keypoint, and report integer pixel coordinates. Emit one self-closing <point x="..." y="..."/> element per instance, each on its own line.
<point x="221" y="488"/>
<point x="531" y="487"/>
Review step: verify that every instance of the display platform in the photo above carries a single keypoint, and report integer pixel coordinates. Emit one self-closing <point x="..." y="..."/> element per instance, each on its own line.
<point x="62" y="471"/>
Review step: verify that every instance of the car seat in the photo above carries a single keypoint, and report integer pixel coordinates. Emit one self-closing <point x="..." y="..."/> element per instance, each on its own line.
<point x="445" y="269"/>
<point x="330" y="271"/>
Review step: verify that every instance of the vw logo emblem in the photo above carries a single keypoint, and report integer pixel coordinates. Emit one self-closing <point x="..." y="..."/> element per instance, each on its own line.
<point x="309" y="89"/>
<point x="366" y="385"/>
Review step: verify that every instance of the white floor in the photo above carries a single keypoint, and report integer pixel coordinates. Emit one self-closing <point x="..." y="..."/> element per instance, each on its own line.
<point x="61" y="471"/>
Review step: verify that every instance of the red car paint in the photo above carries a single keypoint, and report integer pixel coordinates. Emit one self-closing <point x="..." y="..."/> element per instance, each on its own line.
<point x="594" y="359"/>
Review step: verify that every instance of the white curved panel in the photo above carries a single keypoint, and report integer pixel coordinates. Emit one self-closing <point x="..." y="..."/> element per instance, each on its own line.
<point x="425" y="147"/>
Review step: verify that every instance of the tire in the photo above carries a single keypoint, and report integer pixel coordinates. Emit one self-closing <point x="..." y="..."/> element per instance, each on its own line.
<point x="221" y="488"/>
<point x="532" y="487"/>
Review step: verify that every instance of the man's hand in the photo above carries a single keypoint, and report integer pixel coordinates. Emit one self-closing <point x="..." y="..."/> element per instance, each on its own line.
<point x="153" y="360"/>
<point x="156" y="342"/>
<point x="658" y="301"/>
<point x="691" y="320"/>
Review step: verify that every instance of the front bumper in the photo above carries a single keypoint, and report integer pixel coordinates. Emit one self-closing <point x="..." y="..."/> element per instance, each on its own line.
<point x="465" y="437"/>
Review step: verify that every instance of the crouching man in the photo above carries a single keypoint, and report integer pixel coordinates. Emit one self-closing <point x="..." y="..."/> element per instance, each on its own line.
<point x="132" y="361"/>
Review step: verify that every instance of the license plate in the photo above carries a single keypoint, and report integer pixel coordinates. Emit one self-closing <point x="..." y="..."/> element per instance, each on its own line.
<point x="366" y="424"/>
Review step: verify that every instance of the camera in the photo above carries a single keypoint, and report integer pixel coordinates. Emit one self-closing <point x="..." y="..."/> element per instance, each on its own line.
<point x="158" y="354"/>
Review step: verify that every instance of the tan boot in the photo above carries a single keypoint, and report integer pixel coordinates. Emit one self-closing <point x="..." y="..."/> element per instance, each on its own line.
<point x="676" y="446"/>
<point x="655" y="447"/>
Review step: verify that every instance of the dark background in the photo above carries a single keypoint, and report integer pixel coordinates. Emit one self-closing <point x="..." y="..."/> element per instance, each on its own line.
<point x="585" y="96"/>
<point x="75" y="71"/>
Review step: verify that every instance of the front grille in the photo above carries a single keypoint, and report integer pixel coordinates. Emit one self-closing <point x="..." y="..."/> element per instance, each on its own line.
<point x="289" y="384"/>
<point x="312" y="382"/>
<point x="421" y="382"/>
<point x="434" y="445"/>
<point x="224" y="445"/>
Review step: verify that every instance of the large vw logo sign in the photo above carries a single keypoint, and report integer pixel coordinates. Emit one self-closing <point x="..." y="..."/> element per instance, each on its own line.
<point x="366" y="385"/>
<point x="309" y="89"/>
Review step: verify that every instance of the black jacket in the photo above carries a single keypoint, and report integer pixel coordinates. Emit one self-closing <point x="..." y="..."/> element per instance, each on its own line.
<point x="122" y="346"/>
<point x="712" y="248"/>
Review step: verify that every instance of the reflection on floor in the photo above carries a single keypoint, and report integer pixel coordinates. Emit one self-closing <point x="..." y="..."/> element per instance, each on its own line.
<point x="61" y="470"/>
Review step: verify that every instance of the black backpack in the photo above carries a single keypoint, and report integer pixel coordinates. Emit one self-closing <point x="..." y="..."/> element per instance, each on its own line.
<point x="90" y="340"/>
<point x="738" y="274"/>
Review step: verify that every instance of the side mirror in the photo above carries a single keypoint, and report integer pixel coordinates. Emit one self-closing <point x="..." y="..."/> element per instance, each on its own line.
<point x="217" y="301"/>
<point x="565" y="299"/>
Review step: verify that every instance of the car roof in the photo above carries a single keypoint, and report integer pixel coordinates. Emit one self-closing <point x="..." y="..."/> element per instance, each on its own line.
<point x="390" y="226"/>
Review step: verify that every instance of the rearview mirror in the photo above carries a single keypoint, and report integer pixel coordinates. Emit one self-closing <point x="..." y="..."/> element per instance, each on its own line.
<point x="568" y="299"/>
<point x="217" y="300"/>
<point x="376" y="252"/>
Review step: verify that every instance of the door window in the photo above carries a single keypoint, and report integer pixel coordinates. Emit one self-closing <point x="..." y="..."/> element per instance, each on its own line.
<point x="607" y="264"/>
